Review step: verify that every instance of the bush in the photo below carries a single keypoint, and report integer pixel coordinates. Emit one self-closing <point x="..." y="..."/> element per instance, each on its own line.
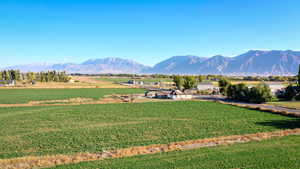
<point x="242" y="92"/>
<point x="257" y="94"/>
<point x="291" y="93"/>
<point x="260" y="94"/>
<point x="297" y="97"/>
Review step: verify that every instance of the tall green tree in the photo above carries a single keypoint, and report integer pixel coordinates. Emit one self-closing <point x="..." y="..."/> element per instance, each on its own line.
<point x="12" y="74"/>
<point x="223" y="85"/>
<point x="6" y="75"/>
<point x="30" y="76"/>
<point x="17" y="75"/>
<point x="189" y="82"/>
<point x="199" y="79"/>
<point x="178" y="80"/>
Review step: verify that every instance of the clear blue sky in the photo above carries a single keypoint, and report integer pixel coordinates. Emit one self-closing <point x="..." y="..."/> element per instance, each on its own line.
<point x="147" y="31"/>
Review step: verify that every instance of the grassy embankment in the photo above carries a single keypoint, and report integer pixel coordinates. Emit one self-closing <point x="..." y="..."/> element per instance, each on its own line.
<point x="275" y="153"/>
<point x="289" y="104"/>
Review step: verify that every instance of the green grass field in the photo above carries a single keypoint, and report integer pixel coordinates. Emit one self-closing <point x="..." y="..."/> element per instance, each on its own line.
<point x="13" y="96"/>
<point x="275" y="153"/>
<point x="122" y="80"/>
<point x="93" y="128"/>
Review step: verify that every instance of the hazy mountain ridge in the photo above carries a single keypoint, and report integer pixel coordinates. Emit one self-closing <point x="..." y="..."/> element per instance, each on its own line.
<point x="266" y="62"/>
<point x="177" y="65"/>
<point x="253" y="62"/>
<point x="92" y="66"/>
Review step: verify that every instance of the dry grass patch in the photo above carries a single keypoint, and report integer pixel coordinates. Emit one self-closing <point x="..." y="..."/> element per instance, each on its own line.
<point x="287" y="104"/>
<point x="265" y="109"/>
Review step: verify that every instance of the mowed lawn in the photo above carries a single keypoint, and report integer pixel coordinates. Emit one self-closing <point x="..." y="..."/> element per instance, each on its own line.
<point x="13" y="96"/>
<point x="274" y="153"/>
<point x="93" y="128"/>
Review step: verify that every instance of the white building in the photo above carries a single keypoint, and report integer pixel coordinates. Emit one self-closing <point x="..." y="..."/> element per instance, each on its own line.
<point x="178" y="95"/>
<point x="275" y="87"/>
<point x="206" y="86"/>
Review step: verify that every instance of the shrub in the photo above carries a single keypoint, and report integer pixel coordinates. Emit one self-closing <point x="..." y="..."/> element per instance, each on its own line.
<point x="241" y="92"/>
<point x="291" y="93"/>
<point x="260" y="94"/>
<point x="238" y="92"/>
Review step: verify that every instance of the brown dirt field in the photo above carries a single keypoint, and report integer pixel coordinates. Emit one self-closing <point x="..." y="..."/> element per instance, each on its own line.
<point x="48" y="161"/>
<point x="85" y="82"/>
<point x="79" y="100"/>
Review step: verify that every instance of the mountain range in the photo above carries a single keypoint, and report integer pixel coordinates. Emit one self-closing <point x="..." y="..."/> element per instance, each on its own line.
<point x="253" y="62"/>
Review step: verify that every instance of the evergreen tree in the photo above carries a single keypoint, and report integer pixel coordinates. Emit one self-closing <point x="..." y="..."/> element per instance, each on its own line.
<point x="12" y="74"/>
<point x="6" y="75"/>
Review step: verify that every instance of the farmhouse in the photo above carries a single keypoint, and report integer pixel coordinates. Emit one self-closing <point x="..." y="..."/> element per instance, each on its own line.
<point x="206" y="86"/>
<point x="174" y="94"/>
<point x="178" y="95"/>
<point x="275" y="87"/>
<point x="133" y="82"/>
<point x="150" y="94"/>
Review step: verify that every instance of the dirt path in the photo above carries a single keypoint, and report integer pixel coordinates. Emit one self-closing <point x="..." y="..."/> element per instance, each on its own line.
<point x="108" y="99"/>
<point x="82" y="82"/>
<point x="263" y="107"/>
<point x="48" y="161"/>
<point x="99" y="83"/>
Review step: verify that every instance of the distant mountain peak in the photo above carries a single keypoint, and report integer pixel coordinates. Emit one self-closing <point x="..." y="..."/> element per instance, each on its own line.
<point x="253" y="62"/>
<point x="218" y="57"/>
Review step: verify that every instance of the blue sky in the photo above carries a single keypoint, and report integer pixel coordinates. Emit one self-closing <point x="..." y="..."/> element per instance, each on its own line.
<point x="147" y="31"/>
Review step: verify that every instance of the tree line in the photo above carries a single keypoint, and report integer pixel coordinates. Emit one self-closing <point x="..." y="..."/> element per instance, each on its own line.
<point x="10" y="75"/>
<point x="49" y="76"/>
<point x="204" y="77"/>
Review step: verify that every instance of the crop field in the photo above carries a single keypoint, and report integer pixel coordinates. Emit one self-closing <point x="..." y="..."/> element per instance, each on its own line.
<point x="122" y="80"/>
<point x="93" y="128"/>
<point x="14" y="96"/>
<point x="275" y="153"/>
